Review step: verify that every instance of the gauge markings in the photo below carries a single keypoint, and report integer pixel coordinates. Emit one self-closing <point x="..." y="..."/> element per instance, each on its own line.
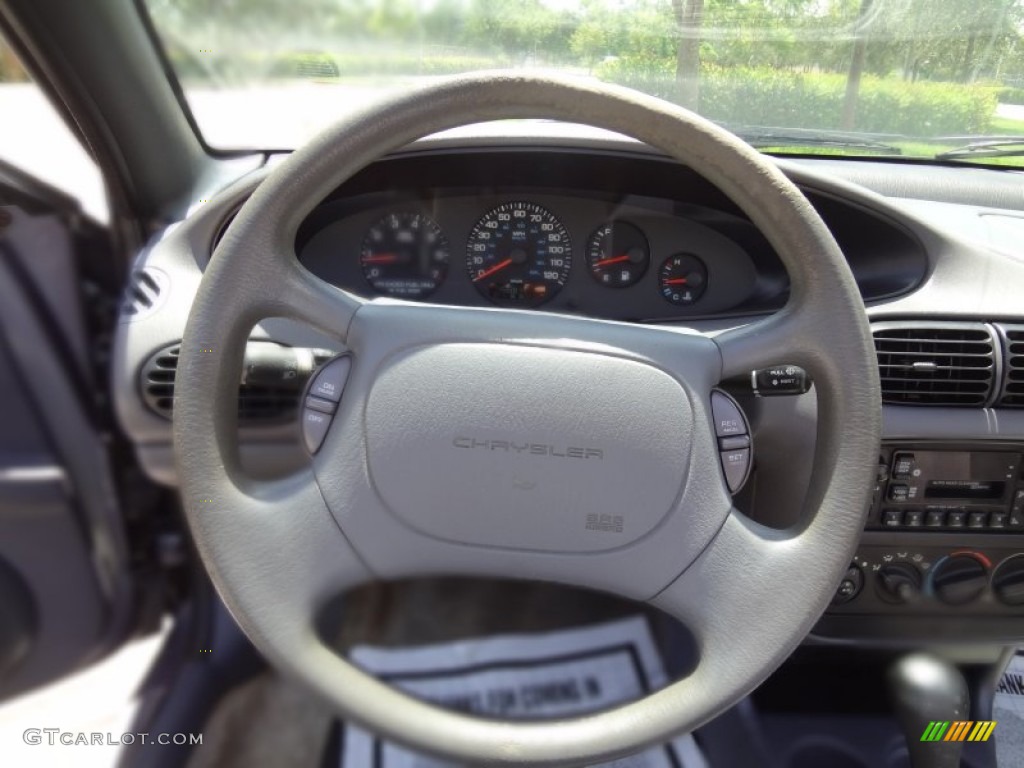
<point x="623" y="246"/>
<point x="405" y="254"/>
<point x="519" y="254"/>
<point x="683" y="278"/>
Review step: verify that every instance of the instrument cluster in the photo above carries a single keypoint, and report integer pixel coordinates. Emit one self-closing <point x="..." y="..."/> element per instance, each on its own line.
<point x="631" y="259"/>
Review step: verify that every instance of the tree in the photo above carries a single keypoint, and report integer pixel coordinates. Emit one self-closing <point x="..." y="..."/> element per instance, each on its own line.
<point x="860" y="45"/>
<point x="689" y="16"/>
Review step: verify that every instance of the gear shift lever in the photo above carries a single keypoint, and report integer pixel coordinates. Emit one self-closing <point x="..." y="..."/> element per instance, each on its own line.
<point x="924" y="688"/>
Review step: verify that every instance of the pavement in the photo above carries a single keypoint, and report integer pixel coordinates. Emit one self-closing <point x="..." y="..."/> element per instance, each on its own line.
<point x="100" y="700"/>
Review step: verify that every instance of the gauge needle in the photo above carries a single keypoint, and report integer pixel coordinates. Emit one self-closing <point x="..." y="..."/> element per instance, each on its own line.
<point x="612" y="260"/>
<point x="496" y="268"/>
<point x="381" y="258"/>
<point x="677" y="281"/>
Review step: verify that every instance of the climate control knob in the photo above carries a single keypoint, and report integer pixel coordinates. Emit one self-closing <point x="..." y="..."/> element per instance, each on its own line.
<point x="959" y="579"/>
<point x="1008" y="581"/>
<point x="898" y="582"/>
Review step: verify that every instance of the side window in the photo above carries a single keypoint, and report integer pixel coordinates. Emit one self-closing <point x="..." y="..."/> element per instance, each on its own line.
<point x="35" y="139"/>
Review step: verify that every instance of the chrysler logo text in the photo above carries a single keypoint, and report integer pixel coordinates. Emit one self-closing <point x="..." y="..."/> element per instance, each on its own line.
<point x="533" y="449"/>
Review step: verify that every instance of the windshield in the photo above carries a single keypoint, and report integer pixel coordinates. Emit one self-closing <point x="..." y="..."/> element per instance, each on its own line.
<point x="918" y="78"/>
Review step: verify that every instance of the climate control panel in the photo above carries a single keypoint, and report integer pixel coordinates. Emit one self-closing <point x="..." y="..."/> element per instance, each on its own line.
<point x="932" y="580"/>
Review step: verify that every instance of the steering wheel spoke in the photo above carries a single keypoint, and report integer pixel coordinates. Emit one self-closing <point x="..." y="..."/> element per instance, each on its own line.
<point x="279" y="538"/>
<point x="310" y="300"/>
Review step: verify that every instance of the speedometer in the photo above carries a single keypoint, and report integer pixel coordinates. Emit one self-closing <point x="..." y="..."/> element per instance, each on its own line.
<point x="519" y="253"/>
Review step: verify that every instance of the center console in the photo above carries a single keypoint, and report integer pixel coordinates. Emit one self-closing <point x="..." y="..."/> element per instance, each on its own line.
<point x="942" y="555"/>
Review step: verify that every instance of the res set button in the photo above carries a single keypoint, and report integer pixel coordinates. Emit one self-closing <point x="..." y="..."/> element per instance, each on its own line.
<point x="734" y="443"/>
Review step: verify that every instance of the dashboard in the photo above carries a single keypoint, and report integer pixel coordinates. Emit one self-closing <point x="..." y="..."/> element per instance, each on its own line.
<point x="628" y="244"/>
<point x="607" y="228"/>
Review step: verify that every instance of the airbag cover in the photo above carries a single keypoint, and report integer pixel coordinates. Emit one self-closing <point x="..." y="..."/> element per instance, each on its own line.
<point x="525" y="447"/>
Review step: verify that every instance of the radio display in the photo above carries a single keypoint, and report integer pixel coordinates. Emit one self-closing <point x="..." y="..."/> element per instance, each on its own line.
<point x="964" y="489"/>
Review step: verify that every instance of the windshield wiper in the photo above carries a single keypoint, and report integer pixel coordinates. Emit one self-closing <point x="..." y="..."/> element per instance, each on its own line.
<point x="996" y="146"/>
<point x="795" y="137"/>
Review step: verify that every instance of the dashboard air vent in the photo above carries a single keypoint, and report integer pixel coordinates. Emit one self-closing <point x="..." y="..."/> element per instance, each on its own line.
<point x="1012" y="394"/>
<point x="935" y="363"/>
<point x="143" y="293"/>
<point x="274" y="377"/>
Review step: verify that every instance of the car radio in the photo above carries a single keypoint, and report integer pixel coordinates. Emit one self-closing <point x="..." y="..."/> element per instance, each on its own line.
<point x="928" y="489"/>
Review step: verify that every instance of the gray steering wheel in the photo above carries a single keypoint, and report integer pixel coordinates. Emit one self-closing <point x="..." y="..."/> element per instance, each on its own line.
<point x="393" y="493"/>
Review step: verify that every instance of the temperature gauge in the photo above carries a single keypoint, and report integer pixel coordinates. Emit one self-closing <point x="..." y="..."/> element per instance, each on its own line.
<point x="683" y="279"/>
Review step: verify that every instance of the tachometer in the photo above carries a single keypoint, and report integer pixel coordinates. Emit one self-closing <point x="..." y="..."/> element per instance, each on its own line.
<point x="405" y="254"/>
<point x="519" y="253"/>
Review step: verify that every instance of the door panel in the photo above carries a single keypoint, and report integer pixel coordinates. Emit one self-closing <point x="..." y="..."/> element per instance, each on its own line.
<point x="64" y="562"/>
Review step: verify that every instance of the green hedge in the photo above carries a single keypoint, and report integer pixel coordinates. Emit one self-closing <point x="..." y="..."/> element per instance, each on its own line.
<point x="783" y="98"/>
<point x="321" y="65"/>
<point x="1011" y="95"/>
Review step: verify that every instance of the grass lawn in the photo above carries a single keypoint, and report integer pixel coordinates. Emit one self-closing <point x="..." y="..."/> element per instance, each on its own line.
<point x="1001" y="126"/>
<point x="1004" y="126"/>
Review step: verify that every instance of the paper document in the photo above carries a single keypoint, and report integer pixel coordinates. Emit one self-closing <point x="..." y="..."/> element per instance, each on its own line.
<point x="528" y="676"/>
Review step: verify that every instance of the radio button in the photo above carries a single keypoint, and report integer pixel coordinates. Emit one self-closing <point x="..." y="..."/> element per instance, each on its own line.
<point x="956" y="519"/>
<point x="903" y="467"/>
<point x="892" y="518"/>
<point x="977" y="520"/>
<point x="914" y="518"/>
<point x="935" y="518"/>
<point x="899" y="492"/>
<point x="997" y="520"/>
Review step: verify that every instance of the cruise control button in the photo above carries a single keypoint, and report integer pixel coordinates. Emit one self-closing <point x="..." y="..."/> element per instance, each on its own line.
<point x="314" y="428"/>
<point x="330" y="380"/>
<point x="319" y="404"/>
<point x="728" y="419"/>
<point x="734" y="443"/>
<point x="735" y="465"/>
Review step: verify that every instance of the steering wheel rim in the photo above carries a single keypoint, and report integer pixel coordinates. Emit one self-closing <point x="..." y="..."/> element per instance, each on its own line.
<point x="278" y="550"/>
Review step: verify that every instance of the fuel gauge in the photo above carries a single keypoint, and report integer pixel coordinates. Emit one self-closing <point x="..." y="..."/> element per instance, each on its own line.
<point x="618" y="254"/>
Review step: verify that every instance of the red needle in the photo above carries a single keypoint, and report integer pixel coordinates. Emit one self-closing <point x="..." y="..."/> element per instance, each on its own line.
<point x="496" y="268"/>
<point x="381" y="258"/>
<point x="677" y="281"/>
<point x="612" y="260"/>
